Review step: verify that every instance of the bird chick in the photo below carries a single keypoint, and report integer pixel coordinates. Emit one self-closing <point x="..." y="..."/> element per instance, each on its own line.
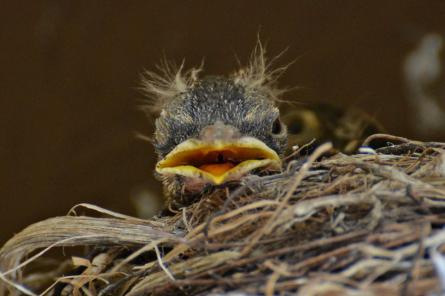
<point x="345" y="127"/>
<point x="213" y="131"/>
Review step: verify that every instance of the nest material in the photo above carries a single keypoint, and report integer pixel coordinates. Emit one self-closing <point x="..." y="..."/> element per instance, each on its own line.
<point x="364" y="224"/>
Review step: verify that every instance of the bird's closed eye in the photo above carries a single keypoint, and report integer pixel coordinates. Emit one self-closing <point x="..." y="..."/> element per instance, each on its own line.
<point x="296" y="126"/>
<point x="277" y="126"/>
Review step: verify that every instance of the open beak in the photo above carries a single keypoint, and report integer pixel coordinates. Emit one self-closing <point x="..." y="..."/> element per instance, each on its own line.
<point x="218" y="161"/>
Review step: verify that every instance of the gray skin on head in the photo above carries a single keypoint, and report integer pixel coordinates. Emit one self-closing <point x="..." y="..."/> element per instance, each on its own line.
<point x="209" y="101"/>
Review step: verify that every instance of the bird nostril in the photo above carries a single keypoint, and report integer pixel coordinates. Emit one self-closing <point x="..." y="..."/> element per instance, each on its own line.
<point x="219" y="131"/>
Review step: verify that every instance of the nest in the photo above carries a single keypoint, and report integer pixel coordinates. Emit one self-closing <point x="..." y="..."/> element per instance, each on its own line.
<point x="329" y="224"/>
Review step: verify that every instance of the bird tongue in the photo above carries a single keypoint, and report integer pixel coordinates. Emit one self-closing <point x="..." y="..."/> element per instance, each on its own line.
<point x="217" y="169"/>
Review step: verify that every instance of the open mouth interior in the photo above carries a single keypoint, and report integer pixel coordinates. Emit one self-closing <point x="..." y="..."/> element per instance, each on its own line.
<point x="217" y="162"/>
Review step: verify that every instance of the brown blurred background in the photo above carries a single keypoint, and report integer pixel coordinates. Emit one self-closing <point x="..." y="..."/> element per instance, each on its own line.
<point x="69" y="72"/>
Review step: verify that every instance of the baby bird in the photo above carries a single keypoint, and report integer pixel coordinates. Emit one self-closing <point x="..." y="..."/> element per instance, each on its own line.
<point x="212" y="131"/>
<point x="345" y="127"/>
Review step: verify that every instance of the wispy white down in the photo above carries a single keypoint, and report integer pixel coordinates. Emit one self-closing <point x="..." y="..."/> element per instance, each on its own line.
<point x="170" y="80"/>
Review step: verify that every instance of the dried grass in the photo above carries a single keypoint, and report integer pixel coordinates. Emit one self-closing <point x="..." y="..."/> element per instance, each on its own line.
<point x="364" y="224"/>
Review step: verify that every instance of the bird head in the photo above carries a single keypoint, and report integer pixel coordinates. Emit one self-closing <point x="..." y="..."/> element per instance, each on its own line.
<point x="345" y="127"/>
<point x="213" y="131"/>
